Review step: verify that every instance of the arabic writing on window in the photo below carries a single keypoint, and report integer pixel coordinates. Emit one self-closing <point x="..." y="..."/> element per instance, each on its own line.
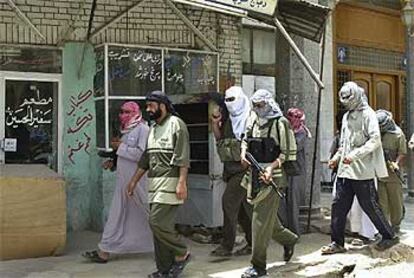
<point x="189" y="72"/>
<point x="134" y="71"/>
<point x="30" y="117"/>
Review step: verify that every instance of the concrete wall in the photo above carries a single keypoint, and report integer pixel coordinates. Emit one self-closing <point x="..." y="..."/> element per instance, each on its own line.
<point x="65" y="22"/>
<point x="80" y="163"/>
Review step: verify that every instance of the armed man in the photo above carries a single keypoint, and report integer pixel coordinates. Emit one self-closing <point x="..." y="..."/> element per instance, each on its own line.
<point x="271" y="142"/>
<point x="390" y="190"/>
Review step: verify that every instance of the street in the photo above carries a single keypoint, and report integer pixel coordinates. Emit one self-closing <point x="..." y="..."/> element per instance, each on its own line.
<point x="307" y="261"/>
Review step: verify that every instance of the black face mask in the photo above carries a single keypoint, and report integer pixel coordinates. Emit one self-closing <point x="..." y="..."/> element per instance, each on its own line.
<point x="155" y="115"/>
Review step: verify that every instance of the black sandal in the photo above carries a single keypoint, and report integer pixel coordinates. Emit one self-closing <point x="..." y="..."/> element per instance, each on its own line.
<point x="93" y="256"/>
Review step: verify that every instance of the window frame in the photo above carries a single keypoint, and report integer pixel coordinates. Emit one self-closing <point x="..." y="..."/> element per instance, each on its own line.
<point x="33" y="76"/>
<point x="107" y="97"/>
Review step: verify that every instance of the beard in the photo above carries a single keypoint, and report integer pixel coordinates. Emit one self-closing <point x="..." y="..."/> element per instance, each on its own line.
<point x="155" y="115"/>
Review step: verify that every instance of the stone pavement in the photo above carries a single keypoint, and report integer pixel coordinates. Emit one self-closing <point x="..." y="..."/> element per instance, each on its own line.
<point x="360" y="261"/>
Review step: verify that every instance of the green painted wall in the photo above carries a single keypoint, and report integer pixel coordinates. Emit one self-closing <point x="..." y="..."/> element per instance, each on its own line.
<point x="81" y="165"/>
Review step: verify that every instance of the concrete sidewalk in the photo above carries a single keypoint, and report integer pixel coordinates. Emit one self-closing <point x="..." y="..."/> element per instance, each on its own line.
<point x="307" y="261"/>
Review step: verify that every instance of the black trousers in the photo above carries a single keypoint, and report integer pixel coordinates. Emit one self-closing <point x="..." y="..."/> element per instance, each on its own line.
<point x="367" y="196"/>
<point x="236" y="210"/>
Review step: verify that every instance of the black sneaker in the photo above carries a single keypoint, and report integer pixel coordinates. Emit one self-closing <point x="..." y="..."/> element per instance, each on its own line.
<point x="178" y="267"/>
<point x="253" y="272"/>
<point x="385" y="244"/>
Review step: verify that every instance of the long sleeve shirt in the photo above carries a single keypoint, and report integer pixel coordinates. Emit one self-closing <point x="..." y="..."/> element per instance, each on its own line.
<point x="361" y="142"/>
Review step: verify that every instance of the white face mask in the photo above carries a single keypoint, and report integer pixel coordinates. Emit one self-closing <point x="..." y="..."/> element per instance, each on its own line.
<point x="263" y="111"/>
<point x="235" y="103"/>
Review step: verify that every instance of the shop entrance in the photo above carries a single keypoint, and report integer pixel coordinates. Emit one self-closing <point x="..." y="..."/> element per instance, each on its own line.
<point x="29" y="119"/>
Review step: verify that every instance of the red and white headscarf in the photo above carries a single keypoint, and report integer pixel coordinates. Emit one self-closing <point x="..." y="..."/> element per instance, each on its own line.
<point x="130" y="119"/>
<point x="297" y="118"/>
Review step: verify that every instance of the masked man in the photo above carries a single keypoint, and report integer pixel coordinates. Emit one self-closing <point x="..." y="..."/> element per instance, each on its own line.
<point x="359" y="160"/>
<point x="390" y="189"/>
<point x="228" y="132"/>
<point x="267" y="125"/>
<point x="167" y="159"/>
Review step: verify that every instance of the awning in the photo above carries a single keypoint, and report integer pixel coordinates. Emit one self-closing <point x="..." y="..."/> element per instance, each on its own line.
<point x="299" y="17"/>
<point x="303" y="18"/>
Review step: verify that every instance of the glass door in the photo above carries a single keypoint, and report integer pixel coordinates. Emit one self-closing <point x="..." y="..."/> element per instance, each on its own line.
<point x="30" y="120"/>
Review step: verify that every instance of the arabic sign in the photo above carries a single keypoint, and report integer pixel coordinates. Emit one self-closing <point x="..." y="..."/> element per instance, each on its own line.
<point x="260" y="6"/>
<point x="30" y="119"/>
<point x="134" y="71"/>
<point x="33" y="111"/>
<point x="188" y="72"/>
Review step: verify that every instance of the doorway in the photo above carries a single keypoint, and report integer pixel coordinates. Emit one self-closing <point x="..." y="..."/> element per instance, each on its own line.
<point x="381" y="91"/>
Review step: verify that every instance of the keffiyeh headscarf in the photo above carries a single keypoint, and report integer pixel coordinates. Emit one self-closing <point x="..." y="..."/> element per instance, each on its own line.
<point x="386" y="123"/>
<point x="297" y="118"/>
<point x="271" y="109"/>
<point x="353" y="96"/>
<point x="130" y="116"/>
<point x="237" y="104"/>
<point x="160" y="97"/>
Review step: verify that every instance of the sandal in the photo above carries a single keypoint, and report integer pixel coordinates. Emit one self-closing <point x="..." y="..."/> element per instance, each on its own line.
<point x="89" y="254"/>
<point x="93" y="256"/>
<point x="178" y="266"/>
<point x="332" y="248"/>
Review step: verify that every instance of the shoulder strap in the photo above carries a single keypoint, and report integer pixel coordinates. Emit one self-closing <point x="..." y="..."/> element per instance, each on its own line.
<point x="277" y="128"/>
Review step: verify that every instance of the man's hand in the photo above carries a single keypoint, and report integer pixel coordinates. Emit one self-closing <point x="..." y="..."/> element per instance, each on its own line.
<point x="394" y="166"/>
<point x="216" y="117"/>
<point x="181" y="190"/>
<point x="131" y="187"/>
<point x="347" y="160"/>
<point x="267" y="176"/>
<point x="108" y="164"/>
<point x="115" y="144"/>
<point x="332" y="164"/>
<point x="411" y="143"/>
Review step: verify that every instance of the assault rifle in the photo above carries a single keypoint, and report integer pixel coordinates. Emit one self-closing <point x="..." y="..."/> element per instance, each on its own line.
<point x="257" y="171"/>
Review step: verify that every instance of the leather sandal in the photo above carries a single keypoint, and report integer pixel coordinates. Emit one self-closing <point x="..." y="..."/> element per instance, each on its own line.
<point x="332" y="248"/>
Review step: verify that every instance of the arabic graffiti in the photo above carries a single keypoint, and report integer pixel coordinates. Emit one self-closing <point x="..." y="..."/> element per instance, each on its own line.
<point x="80" y="145"/>
<point x="79" y="112"/>
<point x="33" y="111"/>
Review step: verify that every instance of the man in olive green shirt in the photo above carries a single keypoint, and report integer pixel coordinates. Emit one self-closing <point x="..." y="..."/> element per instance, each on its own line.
<point x="268" y="122"/>
<point x="228" y="131"/>
<point x="167" y="159"/>
<point x="390" y="190"/>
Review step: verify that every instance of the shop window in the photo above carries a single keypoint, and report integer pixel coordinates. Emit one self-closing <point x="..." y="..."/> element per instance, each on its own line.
<point x="31" y="122"/>
<point x="129" y="73"/>
<point x="258" y="52"/>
